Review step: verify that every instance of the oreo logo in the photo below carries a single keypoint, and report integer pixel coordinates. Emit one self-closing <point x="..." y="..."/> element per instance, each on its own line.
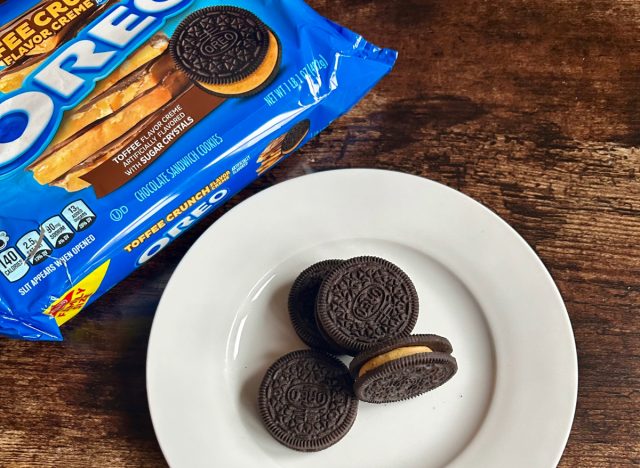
<point x="369" y="302"/>
<point x="30" y="116"/>
<point x="219" y="43"/>
<point x="307" y="396"/>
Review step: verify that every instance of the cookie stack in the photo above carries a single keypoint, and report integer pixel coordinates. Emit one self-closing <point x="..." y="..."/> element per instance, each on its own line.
<point x="365" y="307"/>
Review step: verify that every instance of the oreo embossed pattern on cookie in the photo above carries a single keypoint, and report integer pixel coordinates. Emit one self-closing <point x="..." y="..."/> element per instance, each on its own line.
<point x="227" y="51"/>
<point x="364" y="306"/>
<point x="364" y="301"/>
<point x="403" y="368"/>
<point x="306" y="400"/>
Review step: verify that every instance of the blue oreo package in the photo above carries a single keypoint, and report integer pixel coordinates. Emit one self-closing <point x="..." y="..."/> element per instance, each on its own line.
<point x="123" y="123"/>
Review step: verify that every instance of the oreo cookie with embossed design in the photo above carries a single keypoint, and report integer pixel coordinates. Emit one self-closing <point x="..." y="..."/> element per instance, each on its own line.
<point x="306" y="400"/>
<point x="302" y="304"/>
<point x="294" y="137"/>
<point x="226" y="50"/>
<point x="402" y="368"/>
<point x="364" y="301"/>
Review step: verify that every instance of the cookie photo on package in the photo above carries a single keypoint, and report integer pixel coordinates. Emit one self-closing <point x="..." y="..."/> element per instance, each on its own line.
<point x="125" y="122"/>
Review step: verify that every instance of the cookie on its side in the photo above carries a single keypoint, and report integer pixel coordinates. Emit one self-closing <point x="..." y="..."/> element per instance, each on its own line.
<point x="402" y="368"/>
<point x="306" y="400"/>
<point x="302" y="303"/>
<point x="364" y="301"/>
<point x="295" y="136"/>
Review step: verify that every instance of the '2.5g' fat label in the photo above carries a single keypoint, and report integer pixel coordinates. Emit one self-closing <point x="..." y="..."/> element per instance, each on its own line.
<point x="33" y="246"/>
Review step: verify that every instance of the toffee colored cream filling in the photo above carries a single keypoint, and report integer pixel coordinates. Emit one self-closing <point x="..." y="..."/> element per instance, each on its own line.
<point x="392" y="355"/>
<point x="253" y="81"/>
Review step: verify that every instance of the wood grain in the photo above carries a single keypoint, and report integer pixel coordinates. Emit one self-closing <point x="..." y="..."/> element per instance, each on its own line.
<point x="531" y="107"/>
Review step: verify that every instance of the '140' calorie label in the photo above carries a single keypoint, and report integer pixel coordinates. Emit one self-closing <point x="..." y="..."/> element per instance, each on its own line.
<point x="12" y="265"/>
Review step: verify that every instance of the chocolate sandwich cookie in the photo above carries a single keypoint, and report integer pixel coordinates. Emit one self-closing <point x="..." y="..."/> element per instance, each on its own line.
<point x="402" y="368"/>
<point x="294" y="137"/>
<point x="226" y="50"/>
<point x="302" y="304"/>
<point x="364" y="301"/>
<point x="306" y="400"/>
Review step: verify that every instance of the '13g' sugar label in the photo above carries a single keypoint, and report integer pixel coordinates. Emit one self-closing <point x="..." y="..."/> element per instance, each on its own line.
<point x="79" y="215"/>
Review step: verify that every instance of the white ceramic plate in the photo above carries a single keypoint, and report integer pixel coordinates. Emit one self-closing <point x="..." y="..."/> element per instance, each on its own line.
<point x="223" y="320"/>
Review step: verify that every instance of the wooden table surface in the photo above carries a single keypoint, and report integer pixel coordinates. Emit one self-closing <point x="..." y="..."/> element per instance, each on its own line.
<point x="530" y="107"/>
